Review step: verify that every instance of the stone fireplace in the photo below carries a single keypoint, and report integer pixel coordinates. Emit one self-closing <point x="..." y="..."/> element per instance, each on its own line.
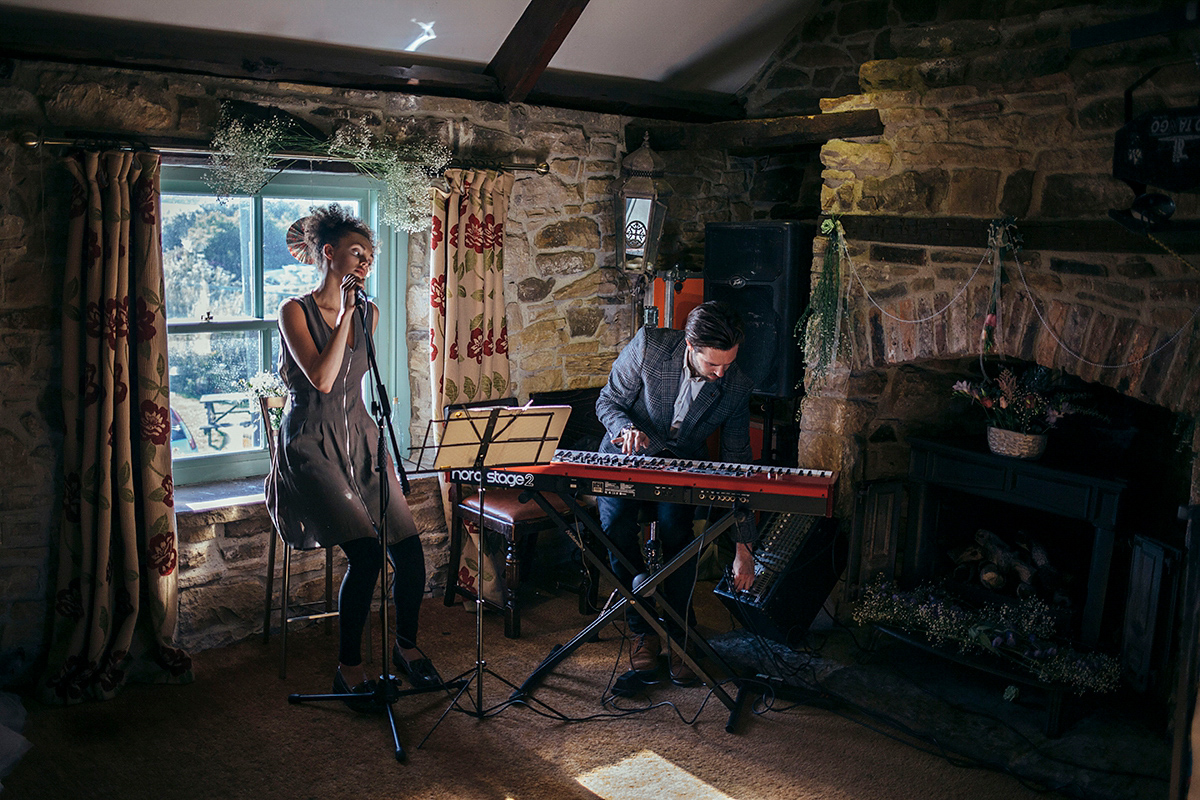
<point x="889" y="401"/>
<point x="983" y="120"/>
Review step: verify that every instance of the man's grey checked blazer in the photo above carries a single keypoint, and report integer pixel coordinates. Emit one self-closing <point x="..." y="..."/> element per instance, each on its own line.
<point x="641" y="391"/>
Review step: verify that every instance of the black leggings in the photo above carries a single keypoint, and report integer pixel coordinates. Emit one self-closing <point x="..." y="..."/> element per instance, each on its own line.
<point x="358" y="589"/>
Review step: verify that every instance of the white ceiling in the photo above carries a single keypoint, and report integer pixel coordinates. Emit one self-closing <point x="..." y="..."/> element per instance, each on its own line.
<point x="686" y="44"/>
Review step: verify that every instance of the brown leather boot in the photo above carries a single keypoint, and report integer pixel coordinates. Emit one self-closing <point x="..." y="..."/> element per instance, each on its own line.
<point x="646" y="649"/>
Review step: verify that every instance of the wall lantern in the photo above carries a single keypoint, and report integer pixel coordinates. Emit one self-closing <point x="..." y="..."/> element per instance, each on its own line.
<point x="640" y="196"/>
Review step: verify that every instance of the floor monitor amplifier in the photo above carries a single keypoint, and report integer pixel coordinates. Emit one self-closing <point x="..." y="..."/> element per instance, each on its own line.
<point x="796" y="565"/>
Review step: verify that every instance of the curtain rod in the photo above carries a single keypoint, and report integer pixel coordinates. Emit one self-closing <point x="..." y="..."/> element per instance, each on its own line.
<point x="34" y="141"/>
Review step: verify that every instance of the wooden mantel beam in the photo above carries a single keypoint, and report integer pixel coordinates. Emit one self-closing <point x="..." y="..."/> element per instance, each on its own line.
<point x="1065" y="236"/>
<point x="756" y="136"/>
<point x="530" y="45"/>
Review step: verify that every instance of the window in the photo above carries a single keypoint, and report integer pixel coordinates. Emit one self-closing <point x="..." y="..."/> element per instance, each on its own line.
<point x="227" y="269"/>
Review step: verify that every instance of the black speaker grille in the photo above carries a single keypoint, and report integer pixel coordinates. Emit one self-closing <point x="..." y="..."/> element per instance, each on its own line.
<point x="762" y="269"/>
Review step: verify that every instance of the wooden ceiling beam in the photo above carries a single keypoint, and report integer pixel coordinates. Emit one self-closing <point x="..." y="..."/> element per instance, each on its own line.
<point x="531" y="44"/>
<point x="633" y="98"/>
<point x="749" y="137"/>
<point x="82" y="39"/>
<point x="1066" y="236"/>
<point x="77" y="38"/>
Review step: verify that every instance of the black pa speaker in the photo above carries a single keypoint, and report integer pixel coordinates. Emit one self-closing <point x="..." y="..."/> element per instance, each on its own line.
<point x="797" y="563"/>
<point x="762" y="269"/>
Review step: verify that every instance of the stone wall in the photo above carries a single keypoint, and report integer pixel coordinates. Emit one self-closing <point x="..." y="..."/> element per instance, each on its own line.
<point x="31" y="423"/>
<point x="567" y="309"/>
<point x="821" y="57"/>
<point x="567" y="315"/>
<point x="987" y="113"/>
<point x="223" y="556"/>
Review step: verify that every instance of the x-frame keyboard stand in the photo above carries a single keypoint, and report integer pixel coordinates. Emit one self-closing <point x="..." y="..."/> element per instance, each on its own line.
<point x="633" y="599"/>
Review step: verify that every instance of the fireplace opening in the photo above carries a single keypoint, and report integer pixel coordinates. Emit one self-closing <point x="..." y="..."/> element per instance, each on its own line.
<point x="987" y="551"/>
<point x="1121" y="471"/>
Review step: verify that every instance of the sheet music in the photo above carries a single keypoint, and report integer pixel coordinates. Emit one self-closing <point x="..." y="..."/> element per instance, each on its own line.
<point x="523" y="435"/>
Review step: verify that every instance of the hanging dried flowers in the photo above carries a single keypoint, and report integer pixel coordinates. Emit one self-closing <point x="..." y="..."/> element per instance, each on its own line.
<point x="406" y="166"/>
<point x="244" y="156"/>
<point x="819" y="328"/>
<point x="247" y="155"/>
<point x="1002" y="238"/>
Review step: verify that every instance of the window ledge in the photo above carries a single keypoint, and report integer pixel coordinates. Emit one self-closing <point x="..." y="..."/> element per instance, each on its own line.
<point x="199" y="498"/>
<point x="202" y="497"/>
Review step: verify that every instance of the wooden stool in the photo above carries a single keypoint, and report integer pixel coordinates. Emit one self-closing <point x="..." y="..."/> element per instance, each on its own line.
<point x="519" y="523"/>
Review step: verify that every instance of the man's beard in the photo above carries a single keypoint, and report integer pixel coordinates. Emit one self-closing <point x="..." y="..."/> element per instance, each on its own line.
<point x="695" y="373"/>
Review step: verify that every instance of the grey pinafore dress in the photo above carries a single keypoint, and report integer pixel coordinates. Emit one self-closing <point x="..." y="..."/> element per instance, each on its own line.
<point x="322" y="489"/>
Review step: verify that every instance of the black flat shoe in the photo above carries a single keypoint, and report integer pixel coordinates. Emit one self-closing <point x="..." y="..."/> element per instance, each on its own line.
<point x="366" y="704"/>
<point x="421" y="673"/>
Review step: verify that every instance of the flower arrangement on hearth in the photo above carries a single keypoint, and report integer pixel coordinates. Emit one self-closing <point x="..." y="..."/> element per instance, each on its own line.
<point x="1022" y="635"/>
<point x="1026" y="403"/>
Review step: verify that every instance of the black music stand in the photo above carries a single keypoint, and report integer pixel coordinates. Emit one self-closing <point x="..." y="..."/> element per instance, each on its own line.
<point x="472" y="442"/>
<point x="386" y="692"/>
<point x="632" y="597"/>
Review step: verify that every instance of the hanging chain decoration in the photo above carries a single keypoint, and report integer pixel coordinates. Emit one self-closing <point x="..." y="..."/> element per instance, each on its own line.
<point x="933" y="314"/>
<point x="1003" y="239"/>
<point x="247" y="155"/>
<point x="819" y="328"/>
<point x="1002" y="236"/>
<point x="1168" y="342"/>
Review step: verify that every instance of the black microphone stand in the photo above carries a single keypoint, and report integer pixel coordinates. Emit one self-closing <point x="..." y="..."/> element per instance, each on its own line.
<point x="386" y="691"/>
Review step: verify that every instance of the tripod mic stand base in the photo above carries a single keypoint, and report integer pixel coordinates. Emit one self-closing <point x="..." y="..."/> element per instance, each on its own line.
<point x="387" y="691"/>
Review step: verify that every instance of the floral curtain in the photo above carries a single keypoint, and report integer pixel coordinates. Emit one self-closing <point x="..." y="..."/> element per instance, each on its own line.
<point x="117" y="599"/>
<point x="468" y="331"/>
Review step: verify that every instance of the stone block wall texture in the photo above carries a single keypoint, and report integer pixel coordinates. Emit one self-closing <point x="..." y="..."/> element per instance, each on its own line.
<point x="987" y="113"/>
<point x="568" y="310"/>
<point x="223" y="557"/>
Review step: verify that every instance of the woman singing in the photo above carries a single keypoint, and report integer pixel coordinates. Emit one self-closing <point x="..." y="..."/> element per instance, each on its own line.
<point x="323" y="489"/>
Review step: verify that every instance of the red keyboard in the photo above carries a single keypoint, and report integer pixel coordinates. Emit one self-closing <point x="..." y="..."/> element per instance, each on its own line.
<point x="701" y="483"/>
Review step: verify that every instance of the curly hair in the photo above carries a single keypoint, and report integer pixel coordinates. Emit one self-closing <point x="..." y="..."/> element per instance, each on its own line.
<point x="328" y="225"/>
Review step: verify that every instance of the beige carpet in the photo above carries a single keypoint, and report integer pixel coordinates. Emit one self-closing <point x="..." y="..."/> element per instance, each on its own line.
<point x="232" y="734"/>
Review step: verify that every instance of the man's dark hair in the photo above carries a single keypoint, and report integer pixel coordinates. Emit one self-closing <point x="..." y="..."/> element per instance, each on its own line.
<point x="328" y="225"/>
<point x="714" y="324"/>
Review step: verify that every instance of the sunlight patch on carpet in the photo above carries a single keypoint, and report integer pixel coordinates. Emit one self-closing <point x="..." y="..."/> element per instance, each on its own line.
<point x="647" y="774"/>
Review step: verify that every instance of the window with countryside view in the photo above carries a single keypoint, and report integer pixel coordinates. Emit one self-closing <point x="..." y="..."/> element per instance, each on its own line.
<point x="227" y="268"/>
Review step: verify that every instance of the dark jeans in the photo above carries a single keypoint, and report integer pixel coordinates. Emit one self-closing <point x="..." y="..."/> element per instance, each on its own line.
<point x="358" y="589"/>
<point x="619" y="519"/>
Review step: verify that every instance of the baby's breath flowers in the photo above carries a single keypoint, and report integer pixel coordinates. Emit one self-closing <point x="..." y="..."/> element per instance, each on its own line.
<point x="1021" y="634"/>
<point x="406" y="165"/>
<point x="243" y="157"/>
<point x="264" y="384"/>
<point x="246" y="156"/>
